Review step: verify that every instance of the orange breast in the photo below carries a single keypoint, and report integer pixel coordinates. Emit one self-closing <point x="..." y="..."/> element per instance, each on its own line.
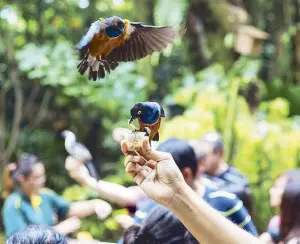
<point x="101" y="45"/>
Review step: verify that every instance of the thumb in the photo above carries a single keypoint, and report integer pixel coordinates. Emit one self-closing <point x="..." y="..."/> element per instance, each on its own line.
<point x="154" y="155"/>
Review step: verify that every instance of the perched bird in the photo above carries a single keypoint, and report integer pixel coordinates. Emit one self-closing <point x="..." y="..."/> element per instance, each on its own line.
<point x="79" y="151"/>
<point x="149" y="116"/>
<point x="113" y="40"/>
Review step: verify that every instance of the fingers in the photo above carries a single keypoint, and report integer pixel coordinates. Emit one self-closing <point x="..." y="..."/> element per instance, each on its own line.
<point x="138" y="172"/>
<point x="124" y="147"/>
<point x="149" y="153"/>
<point x="133" y="167"/>
<point x="72" y="163"/>
<point x="135" y="159"/>
<point x="142" y="175"/>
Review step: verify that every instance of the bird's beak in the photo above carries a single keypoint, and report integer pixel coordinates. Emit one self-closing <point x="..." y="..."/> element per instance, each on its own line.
<point x="130" y="120"/>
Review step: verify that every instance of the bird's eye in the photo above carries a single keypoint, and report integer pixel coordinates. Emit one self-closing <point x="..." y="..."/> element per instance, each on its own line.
<point x="139" y="112"/>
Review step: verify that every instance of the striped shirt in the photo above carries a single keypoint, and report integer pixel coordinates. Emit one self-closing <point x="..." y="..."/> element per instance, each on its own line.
<point x="230" y="206"/>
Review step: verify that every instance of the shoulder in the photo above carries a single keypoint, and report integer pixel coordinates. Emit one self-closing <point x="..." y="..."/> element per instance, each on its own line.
<point x="224" y="201"/>
<point x="234" y="175"/>
<point x="234" y="171"/>
<point x="47" y="191"/>
<point x="12" y="202"/>
<point x="222" y="195"/>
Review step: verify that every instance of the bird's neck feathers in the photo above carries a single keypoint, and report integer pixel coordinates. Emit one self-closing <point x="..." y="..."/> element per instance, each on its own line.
<point x="127" y="29"/>
<point x="69" y="140"/>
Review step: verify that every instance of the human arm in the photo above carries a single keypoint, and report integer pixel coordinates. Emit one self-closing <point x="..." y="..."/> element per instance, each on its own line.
<point x="124" y="220"/>
<point x="79" y="209"/>
<point x="116" y="193"/>
<point x="161" y="180"/>
<point x="83" y="209"/>
<point x="68" y="226"/>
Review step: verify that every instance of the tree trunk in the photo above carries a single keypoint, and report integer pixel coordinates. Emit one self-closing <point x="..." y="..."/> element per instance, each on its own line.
<point x="197" y="47"/>
<point x="18" y="95"/>
<point x="296" y="44"/>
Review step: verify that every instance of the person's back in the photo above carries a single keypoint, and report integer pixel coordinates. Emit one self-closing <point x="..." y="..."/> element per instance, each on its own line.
<point x="230" y="206"/>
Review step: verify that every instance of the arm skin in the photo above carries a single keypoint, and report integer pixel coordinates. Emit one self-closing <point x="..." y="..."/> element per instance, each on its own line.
<point x="83" y="209"/>
<point x="205" y="223"/>
<point x="123" y="196"/>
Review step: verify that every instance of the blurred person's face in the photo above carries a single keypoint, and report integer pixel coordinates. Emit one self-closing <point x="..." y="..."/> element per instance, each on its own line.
<point x="276" y="192"/>
<point x="212" y="162"/>
<point x="201" y="167"/>
<point x="36" y="180"/>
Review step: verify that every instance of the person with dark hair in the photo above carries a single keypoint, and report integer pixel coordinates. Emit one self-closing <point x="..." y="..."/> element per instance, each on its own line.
<point x="28" y="202"/>
<point x="37" y="234"/>
<point x="158" y="176"/>
<point x="225" y="177"/>
<point x="277" y="191"/>
<point x="227" y="203"/>
<point x="290" y="214"/>
<point x="160" y="226"/>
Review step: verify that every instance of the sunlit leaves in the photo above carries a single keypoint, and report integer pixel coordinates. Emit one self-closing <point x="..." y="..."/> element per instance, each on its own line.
<point x="170" y="12"/>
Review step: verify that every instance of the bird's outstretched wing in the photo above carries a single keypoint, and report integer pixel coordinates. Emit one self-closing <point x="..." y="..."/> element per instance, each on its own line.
<point x="95" y="28"/>
<point x="143" y="41"/>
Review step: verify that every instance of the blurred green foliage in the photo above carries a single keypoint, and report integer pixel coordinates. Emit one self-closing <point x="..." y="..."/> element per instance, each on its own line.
<point x="249" y="100"/>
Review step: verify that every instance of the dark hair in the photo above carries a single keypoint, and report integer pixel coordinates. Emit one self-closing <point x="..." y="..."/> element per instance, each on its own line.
<point x="216" y="141"/>
<point x="160" y="227"/>
<point x="182" y="153"/>
<point x="289" y="211"/>
<point x="37" y="234"/>
<point x="24" y="167"/>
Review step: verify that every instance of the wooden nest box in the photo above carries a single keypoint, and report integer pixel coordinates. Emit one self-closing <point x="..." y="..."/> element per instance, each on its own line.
<point x="249" y="40"/>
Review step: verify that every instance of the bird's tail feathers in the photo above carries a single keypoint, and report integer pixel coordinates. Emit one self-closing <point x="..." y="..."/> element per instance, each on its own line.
<point x="96" y="68"/>
<point x="92" y="170"/>
<point x="156" y="137"/>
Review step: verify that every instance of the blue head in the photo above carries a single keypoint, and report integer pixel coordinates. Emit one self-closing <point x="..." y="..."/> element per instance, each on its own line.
<point x="147" y="112"/>
<point x="115" y="26"/>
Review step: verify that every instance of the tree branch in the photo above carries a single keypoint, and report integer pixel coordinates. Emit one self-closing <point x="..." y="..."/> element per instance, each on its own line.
<point x="42" y="113"/>
<point x="33" y="95"/>
<point x="4" y="89"/>
<point x="14" y="77"/>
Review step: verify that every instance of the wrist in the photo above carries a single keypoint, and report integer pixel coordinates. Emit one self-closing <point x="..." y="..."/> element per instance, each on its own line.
<point x="180" y="197"/>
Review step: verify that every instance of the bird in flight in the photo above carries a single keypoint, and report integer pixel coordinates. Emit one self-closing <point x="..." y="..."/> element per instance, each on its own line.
<point x="113" y="40"/>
